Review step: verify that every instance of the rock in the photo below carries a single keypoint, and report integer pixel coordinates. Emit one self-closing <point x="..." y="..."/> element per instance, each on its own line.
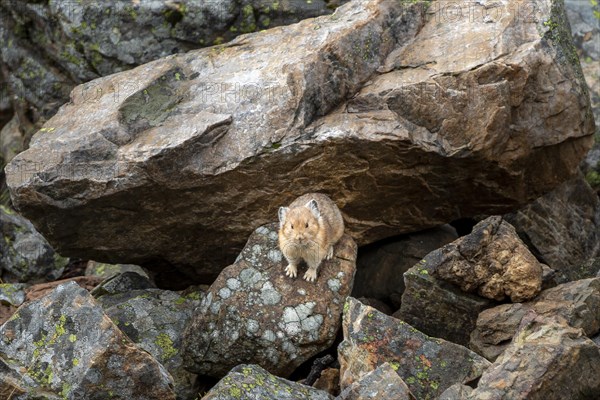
<point x="25" y="256"/>
<point x="381" y="383"/>
<point x="105" y="271"/>
<point x="123" y="283"/>
<point x="562" y="228"/>
<point x="547" y="360"/>
<point x="66" y="346"/>
<point x="380" y="267"/>
<point x="427" y="365"/>
<point x="154" y="319"/>
<point x="51" y="47"/>
<point x="11" y="141"/>
<point x="199" y="129"/>
<point x="576" y="303"/>
<point x="250" y="382"/>
<point x="12" y="293"/>
<point x="585" y="27"/>
<point x="438" y="308"/>
<point x="491" y="261"/>
<point x="329" y="381"/>
<point x="254" y="313"/>
<point x="456" y="392"/>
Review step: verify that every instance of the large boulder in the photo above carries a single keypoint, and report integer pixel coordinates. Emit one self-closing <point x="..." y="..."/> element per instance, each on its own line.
<point x="50" y="47"/>
<point x="427" y="365"/>
<point x="254" y="313"/>
<point x="160" y="164"/>
<point x="64" y="346"/>
<point x="562" y="228"/>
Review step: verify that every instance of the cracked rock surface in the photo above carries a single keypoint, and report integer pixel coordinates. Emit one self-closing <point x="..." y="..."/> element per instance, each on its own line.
<point x="576" y="303"/>
<point x="154" y="319"/>
<point x="428" y="365"/>
<point x="63" y="346"/>
<point x="395" y="112"/>
<point x="254" y="313"/>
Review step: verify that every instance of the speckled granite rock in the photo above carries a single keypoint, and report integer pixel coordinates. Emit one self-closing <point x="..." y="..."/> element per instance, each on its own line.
<point x="63" y="345"/>
<point x="25" y="256"/>
<point x="382" y="383"/>
<point x="546" y="360"/>
<point x="254" y="313"/>
<point x="251" y="382"/>
<point x="154" y="319"/>
<point x="577" y="303"/>
<point x="427" y="365"/>
<point x="438" y="308"/>
<point x="491" y="261"/>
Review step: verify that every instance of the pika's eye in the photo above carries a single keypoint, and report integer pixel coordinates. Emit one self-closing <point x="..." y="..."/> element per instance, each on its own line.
<point x="307" y="224"/>
<point x="292" y="225"/>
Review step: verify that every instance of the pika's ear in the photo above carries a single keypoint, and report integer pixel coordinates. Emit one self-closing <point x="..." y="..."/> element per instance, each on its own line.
<point x="282" y="213"/>
<point x="314" y="208"/>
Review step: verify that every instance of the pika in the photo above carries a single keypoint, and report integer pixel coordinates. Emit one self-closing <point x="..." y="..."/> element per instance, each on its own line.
<point x="308" y="230"/>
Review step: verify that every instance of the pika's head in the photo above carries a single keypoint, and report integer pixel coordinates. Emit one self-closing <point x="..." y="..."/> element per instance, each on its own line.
<point x="300" y="224"/>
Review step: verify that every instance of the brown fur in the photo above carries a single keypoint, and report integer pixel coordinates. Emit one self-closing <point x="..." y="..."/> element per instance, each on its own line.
<point x="309" y="233"/>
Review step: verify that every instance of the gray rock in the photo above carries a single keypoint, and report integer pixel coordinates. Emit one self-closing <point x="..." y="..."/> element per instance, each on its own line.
<point x="562" y="228"/>
<point x="438" y="308"/>
<point x="546" y="360"/>
<point x="576" y="303"/>
<point x="25" y="256"/>
<point x="380" y="267"/>
<point x="11" y="141"/>
<point x="427" y="365"/>
<point x="382" y="383"/>
<point x="12" y="293"/>
<point x="154" y="319"/>
<point x="491" y="261"/>
<point x="585" y="25"/>
<point x="192" y="132"/>
<point x="64" y="345"/>
<point x="251" y="382"/>
<point x="122" y="283"/>
<point x="254" y="313"/>
<point x="103" y="270"/>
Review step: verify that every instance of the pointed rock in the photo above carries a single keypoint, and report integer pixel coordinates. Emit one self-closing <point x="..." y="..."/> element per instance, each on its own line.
<point x="427" y="365"/>
<point x="64" y="345"/>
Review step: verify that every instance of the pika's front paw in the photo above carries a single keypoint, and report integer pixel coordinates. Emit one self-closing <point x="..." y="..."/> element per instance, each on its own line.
<point x="330" y="253"/>
<point x="310" y="275"/>
<point x="291" y="271"/>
